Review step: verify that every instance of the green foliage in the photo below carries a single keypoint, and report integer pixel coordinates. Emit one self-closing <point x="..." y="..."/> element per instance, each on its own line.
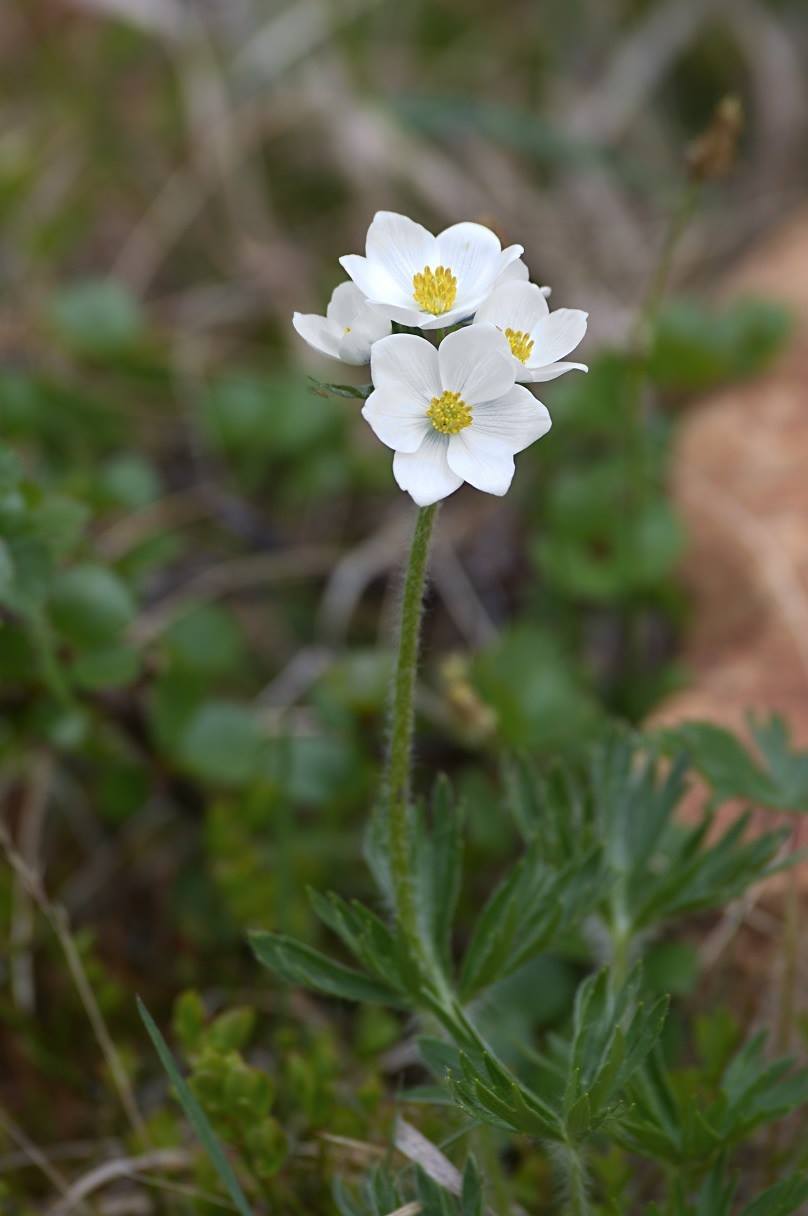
<point x="591" y="552"/>
<point x="97" y="317"/>
<point x="653" y="867"/>
<point x="696" y="347"/>
<point x="689" y="1119"/>
<point x="612" y="1034"/>
<point x="603" y="844"/>
<point x="540" y="699"/>
<point x="223" y="743"/>
<point x="382" y="1192"/>
<point x="196" y="1115"/>
<point x="775" y="776"/>
<point x="359" y="392"/>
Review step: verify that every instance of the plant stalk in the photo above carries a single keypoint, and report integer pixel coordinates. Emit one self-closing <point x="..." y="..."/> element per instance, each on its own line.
<point x="402" y="719"/>
<point x="570" y="1165"/>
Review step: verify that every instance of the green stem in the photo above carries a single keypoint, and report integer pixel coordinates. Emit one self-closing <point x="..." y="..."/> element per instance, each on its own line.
<point x="570" y="1164"/>
<point x="636" y="453"/>
<point x="402" y="719"/>
<point x="620" y="962"/>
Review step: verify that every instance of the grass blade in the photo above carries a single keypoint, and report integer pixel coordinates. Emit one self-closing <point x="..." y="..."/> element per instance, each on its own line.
<point x="194" y="1113"/>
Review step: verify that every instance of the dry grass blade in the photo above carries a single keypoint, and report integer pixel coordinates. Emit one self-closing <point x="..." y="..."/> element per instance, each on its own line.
<point x="415" y="1147"/>
<point x="22" y="923"/>
<point x="162" y="17"/>
<point x="59" y="921"/>
<point x="110" y="1171"/>
<point x="239" y="574"/>
<point x="35" y="1155"/>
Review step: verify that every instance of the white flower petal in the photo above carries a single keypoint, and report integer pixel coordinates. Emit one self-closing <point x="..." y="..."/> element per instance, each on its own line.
<point x="347" y="301"/>
<point x="398" y="421"/>
<point x="514" y="421"/>
<point x="319" y="332"/>
<point x="407" y="365"/>
<point x="375" y="281"/>
<point x="516" y="271"/>
<point x="509" y="255"/>
<point x="445" y="320"/>
<point x="540" y="375"/>
<point x="474" y="255"/>
<point x="349" y="328"/>
<point x="367" y="328"/>
<point x="411" y="316"/>
<point x="557" y="335"/>
<point x="476" y="362"/>
<point x="355" y="345"/>
<point x="520" y="306"/>
<point x="402" y="247"/>
<point x="485" y="463"/>
<point x="425" y="474"/>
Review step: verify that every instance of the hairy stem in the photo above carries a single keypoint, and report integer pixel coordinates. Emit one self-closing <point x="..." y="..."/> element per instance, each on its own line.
<point x="570" y="1165"/>
<point x="402" y="717"/>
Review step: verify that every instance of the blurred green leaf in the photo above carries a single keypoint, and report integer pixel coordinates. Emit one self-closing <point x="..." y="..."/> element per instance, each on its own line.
<point x="128" y="481"/>
<point x="90" y="605"/>
<point x="591" y="550"/>
<point x="302" y="965"/>
<point x="97" y="317"/>
<point x="358" y="391"/>
<point x="534" y="686"/>
<point x="224" y="743"/>
<point x="110" y="667"/>
<point x="779" y="1200"/>
<point x="696" y="347"/>
<point x="207" y="640"/>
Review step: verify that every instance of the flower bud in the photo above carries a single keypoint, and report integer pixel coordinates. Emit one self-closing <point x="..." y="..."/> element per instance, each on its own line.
<point x="712" y="154"/>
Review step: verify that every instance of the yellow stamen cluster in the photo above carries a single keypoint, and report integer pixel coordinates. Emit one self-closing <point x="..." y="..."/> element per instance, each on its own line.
<point x="434" y="290"/>
<point x="449" y="413"/>
<point x="521" y="344"/>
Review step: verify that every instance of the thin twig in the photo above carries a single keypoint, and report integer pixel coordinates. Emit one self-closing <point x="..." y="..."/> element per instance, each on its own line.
<point x="22" y="915"/>
<point x="59" y="921"/>
<point x="35" y="1155"/>
<point x="238" y="574"/>
<point x="173" y="511"/>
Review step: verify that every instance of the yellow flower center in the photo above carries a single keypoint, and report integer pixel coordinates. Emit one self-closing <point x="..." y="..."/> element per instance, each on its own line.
<point x="449" y="413"/>
<point x="434" y="290"/>
<point x="521" y="344"/>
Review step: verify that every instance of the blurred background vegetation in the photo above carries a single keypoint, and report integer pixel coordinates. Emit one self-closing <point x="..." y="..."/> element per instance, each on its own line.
<point x="199" y="553"/>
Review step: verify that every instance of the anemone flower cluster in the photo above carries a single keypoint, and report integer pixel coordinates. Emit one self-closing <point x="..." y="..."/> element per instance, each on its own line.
<point x="455" y="408"/>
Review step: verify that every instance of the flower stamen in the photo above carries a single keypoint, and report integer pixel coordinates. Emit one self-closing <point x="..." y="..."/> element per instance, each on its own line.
<point x="521" y="344"/>
<point x="434" y="291"/>
<point x="449" y="413"/>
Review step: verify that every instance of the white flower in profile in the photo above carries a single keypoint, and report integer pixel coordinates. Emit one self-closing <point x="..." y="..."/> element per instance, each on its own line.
<point x="453" y="414"/>
<point x="538" y="339"/>
<point x="426" y="281"/>
<point x="348" y="329"/>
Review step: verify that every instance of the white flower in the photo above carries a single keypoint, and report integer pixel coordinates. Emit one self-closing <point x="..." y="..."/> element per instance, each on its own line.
<point x="453" y="414"/>
<point x="426" y="281"/>
<point x="538" y="338"/>
<point x="348" y="329"/>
